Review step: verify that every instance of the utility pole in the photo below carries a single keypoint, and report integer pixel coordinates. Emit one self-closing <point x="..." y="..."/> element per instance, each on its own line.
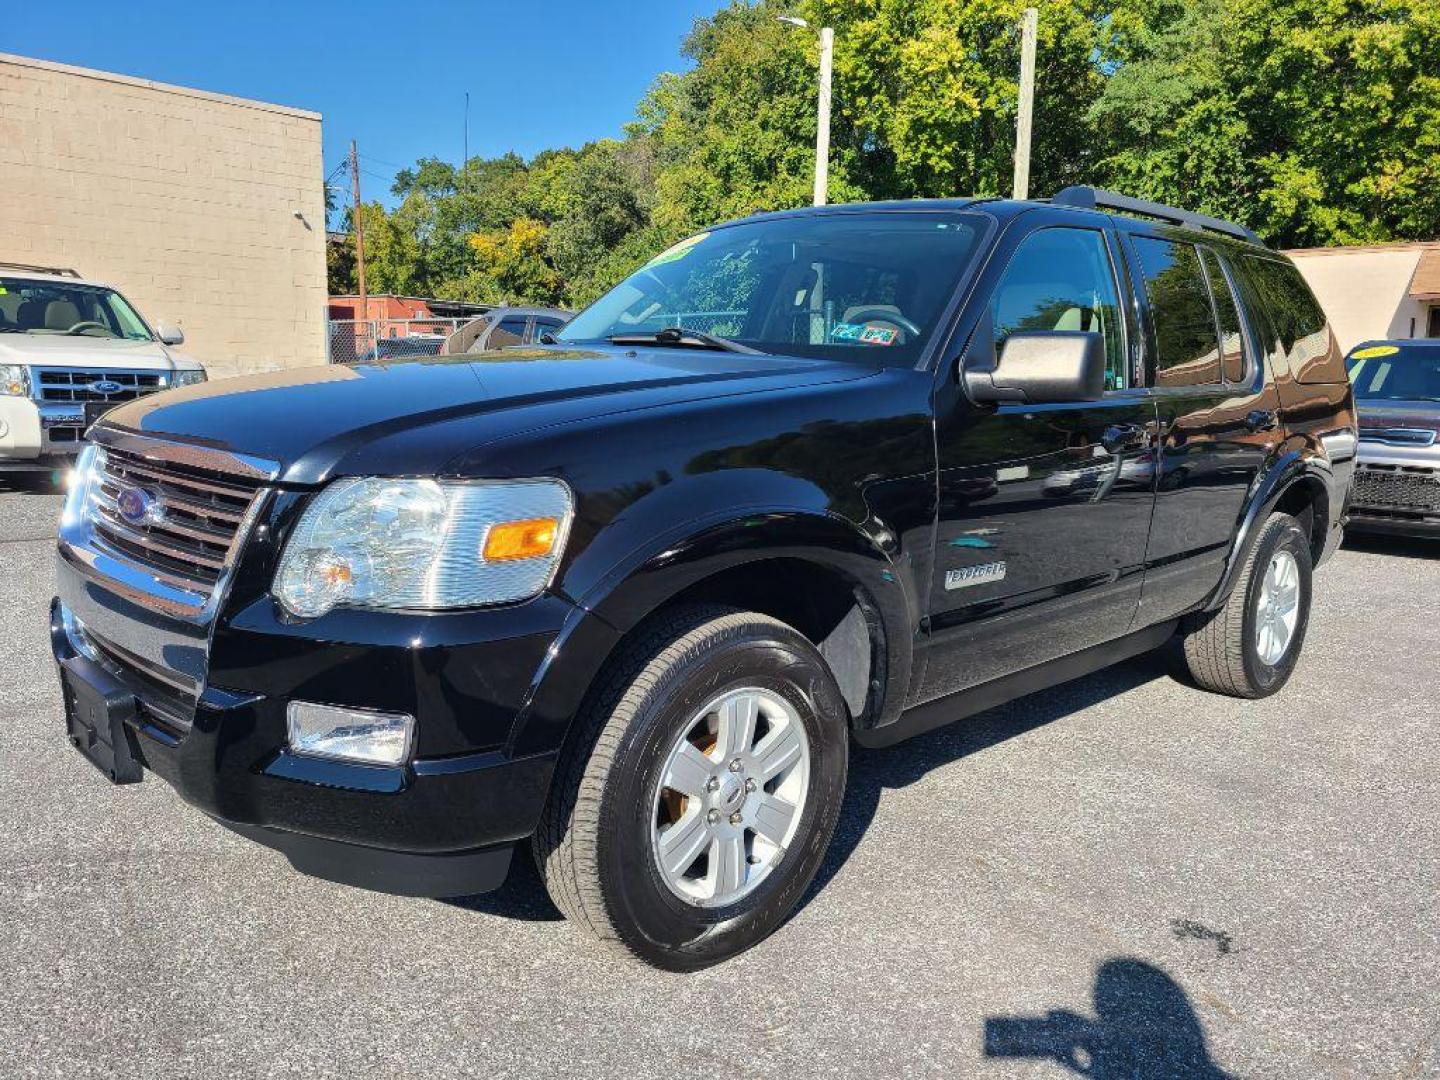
<point x="358" y="225"/>
<point x="1028" y="26"/>
<point x="822" y="124"/>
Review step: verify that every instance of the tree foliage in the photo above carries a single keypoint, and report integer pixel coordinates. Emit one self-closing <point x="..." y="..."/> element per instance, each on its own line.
<point x="1313" y="121"/>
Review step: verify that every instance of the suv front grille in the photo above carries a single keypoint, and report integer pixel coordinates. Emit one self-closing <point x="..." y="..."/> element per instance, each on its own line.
<point x="194" y="516"/>
<point x="1396" y="487"/>
<point x="64" y="384"/>
<point x="1399" y="436"/>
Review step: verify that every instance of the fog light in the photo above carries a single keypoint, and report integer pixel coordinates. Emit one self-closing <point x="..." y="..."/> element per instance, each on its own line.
<point x="371" y="738"/>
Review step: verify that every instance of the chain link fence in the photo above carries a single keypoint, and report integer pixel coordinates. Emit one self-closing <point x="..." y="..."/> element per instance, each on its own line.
<point x="359" y="340"/>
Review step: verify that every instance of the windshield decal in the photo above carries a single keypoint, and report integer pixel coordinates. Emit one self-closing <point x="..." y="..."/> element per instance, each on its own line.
<point x="676" y="252"/>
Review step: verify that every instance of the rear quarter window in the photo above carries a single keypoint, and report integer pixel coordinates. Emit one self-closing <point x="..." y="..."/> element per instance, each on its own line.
<point x="1298" y="337"/>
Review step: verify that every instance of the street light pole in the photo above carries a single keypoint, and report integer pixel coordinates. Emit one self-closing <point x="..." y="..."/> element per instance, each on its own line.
<point x="822" y="118"/>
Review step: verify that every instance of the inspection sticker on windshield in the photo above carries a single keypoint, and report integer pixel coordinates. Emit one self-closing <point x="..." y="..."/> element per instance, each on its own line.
<point x="1373" y="351"/>
<point x="877" y="335"/>
<point x="676" y="252"/>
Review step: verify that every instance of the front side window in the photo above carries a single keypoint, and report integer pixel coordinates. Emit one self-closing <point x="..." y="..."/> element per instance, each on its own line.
<point x="1062" y="279"/>
<point x="869" y="286"/>
<point x="28" y="306"/>
<point x="1187" y="349"/>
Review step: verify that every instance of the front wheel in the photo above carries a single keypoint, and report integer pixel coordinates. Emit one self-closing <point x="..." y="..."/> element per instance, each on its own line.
<point x="697" y="800"/>
<point x="1249" y="647"/>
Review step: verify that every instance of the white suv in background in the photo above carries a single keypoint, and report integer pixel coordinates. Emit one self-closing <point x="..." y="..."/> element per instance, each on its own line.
<point x="69" y="350"/>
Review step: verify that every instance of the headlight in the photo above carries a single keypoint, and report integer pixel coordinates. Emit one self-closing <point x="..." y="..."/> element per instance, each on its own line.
<point x="14" y="380"/>
<point x="423" y="544"/>
<point x="187" y="377"/>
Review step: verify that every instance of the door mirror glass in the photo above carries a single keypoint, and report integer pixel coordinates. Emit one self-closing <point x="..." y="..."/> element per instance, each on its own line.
<point x="1042" y="367"/>
<point x="169" y="334"/>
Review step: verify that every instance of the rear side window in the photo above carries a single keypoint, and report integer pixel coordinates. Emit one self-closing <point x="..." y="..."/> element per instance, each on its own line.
<point x="1187" y="350"/>
<point x="1227" y="314"/>
<point x="511" y="331"/>
<point x="1300" y="337"/>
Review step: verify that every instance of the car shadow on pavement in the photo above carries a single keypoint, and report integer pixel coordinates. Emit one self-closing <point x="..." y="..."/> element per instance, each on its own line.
<point x="523" y="895"/>
<point x="1407" y="547"/>
<point x="872" y="771"/>
<point x="1144" y="1025"/>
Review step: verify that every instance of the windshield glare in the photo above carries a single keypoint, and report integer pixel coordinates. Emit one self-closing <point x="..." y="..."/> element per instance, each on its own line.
<point x="866" y="286"/>
<point x="28" y="306"/>
<point x="1396" y="372"/>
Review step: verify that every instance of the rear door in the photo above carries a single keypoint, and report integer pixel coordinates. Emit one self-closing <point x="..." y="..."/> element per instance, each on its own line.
<point x="1219" y="416"/>
<point x="1043" y="509"/>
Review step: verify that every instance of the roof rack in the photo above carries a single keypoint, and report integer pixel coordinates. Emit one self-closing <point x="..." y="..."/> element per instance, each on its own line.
<point x="1089" y="198"/>
<point x="59" y="271"/>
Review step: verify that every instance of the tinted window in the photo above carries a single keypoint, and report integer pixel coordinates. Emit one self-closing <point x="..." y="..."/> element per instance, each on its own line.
<point x="1396" y="372"/>
<point x="1187" y="352"/>
<point x="511" y="331"/>
<point x="868" y="286"/>
<point x="1227" y="313"/>
<point x="1300" y="337"/>
<point x="1062" y="279"/>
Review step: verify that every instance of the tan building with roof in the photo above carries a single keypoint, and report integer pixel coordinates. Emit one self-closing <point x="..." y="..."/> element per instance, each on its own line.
<point x="1380" y="291"/>
<point x="204" y="210"/>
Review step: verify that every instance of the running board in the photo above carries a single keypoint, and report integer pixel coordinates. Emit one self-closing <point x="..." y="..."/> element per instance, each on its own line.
<point x="957" y="706"/>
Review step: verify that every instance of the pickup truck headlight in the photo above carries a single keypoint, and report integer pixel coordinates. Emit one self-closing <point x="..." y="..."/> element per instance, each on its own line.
<point x="14" y="380"/>
<point x="423" y="544"/>
<point x="186" y="377"/>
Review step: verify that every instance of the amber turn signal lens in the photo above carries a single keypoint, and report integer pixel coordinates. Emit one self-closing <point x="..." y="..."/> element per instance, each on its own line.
<point x="520" y="539"/>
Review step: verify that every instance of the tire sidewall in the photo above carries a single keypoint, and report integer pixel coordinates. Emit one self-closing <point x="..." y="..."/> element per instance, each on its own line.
<point x="655" y="922"/>
<point x="1265" y="678"/>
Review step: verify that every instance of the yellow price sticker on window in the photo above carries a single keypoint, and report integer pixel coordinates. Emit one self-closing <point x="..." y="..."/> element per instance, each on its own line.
<point x="1373" y="351"/>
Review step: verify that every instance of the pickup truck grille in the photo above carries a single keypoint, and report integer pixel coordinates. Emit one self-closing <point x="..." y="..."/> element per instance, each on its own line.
<point x="1399" y="436"/>
<point x="65" y="384"/>
<point x="1396" y="487"/>
<point x="194" y="515"/>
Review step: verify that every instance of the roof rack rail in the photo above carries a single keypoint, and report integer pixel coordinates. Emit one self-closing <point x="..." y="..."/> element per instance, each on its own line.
<point x="1089" y="198"/>
<point x="60" y="271"/>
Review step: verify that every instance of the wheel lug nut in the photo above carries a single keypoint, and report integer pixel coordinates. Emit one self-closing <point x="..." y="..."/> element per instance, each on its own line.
<point x="735" y="818"/>
<point x="750" y="784"/>
<point x="736" y="765"/>
<point x="713" y="784"/>
<point x="713" y="817"/>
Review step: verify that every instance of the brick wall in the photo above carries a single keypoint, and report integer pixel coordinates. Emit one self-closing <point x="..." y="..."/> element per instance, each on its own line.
<point x="183" y="200"/>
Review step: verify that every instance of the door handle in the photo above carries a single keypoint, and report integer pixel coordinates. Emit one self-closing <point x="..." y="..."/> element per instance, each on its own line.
<point x="1118" y="438"/>
<point x="1262" y="420"/>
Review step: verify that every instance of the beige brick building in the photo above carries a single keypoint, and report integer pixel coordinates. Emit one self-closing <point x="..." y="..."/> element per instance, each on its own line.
<point x="205" y="210"/>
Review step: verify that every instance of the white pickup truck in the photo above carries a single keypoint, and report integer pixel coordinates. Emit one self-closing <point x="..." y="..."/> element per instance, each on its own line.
<point x="69" y="350"/>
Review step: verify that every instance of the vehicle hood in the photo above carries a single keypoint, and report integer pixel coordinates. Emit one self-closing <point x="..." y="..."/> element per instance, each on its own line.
<point x="1399" y="414"/>
<point x="413" y="417"/>
<point x="61" y="351"/>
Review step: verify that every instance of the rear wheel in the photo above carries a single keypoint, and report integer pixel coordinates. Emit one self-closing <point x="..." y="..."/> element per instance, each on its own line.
<point x="697" y="801"/>
<point x="1249" y="647"/>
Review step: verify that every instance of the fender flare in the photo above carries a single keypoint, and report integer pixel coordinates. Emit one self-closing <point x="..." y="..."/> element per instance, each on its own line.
<point x="1292" y="466"/>
<point x="670" y="563"/>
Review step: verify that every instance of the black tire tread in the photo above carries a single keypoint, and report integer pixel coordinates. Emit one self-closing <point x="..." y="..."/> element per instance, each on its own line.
<point x="1214" y="642"/>
<point x="566" y="842"/>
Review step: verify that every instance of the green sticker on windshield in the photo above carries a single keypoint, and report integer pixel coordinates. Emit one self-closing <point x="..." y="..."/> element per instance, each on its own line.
<point x="1373" y="351"/>
<point x="676" y="252"/>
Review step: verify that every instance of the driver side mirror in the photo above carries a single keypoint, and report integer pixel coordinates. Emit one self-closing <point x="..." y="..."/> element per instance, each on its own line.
<point x="169" y="334"/>
<point x="1039" y="367"/>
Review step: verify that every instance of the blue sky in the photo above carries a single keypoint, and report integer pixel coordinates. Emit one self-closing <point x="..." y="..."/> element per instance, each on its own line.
<point x="392" y="75"/>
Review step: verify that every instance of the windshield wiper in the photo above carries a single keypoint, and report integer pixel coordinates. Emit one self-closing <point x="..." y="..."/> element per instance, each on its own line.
<point x="677" y="335"/>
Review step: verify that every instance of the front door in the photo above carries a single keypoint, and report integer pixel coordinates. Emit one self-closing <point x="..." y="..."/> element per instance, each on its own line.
<point x="1043" y="509"/>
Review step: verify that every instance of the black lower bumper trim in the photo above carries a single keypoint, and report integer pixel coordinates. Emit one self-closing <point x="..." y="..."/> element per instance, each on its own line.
<point x="402" y="873"/>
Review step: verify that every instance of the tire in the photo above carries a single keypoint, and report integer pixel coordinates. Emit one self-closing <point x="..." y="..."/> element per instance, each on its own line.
<point x="1224" y="650"/>
<point x="598" y="846"/>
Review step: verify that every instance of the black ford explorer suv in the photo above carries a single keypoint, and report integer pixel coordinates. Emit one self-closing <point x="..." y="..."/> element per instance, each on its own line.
<point x="811" y="477"/>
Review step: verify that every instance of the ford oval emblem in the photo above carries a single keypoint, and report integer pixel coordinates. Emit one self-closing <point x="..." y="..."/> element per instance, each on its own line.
<point x="138" y="506"/>
<point x="105" y="386"/>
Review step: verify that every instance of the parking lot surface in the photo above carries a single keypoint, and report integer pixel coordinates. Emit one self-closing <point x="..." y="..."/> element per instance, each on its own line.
<point x="1120" y="877"/>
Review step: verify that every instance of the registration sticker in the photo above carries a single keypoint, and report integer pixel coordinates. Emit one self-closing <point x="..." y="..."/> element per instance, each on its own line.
<point x="1373" y="351"/>
<point x="877" y="335"/>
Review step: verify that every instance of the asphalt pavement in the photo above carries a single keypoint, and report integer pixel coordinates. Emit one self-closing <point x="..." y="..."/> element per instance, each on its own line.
<point x="1122" y="877"/>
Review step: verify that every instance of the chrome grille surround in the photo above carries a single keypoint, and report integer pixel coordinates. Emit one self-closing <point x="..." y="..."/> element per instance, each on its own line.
<point x="74" y="385"/>
<point x="1399" y="436"/>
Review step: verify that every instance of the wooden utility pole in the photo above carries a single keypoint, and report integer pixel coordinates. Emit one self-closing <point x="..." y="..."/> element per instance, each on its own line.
<point x="1028" y="26"/>
<point x="358" y="225"/>
<point x="822" y="126"/>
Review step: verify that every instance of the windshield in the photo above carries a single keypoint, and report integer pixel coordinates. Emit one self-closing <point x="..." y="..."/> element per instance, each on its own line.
<point x="28" y="306"/>
<point x="1399" y="372"/>
<point x="867" y="286"/>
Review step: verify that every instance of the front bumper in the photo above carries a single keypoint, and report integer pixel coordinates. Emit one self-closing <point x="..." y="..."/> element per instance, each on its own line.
<point x="1396" y="490"/>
